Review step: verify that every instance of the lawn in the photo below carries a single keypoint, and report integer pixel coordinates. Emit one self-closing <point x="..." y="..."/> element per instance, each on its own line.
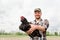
<point x="24" y="37"/>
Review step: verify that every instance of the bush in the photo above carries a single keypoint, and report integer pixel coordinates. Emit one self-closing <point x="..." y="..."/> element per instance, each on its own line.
<point x="18" y="33"/>
<point x="5" y="33"/>
<point x="56" y="34"/>
<point x="47" y="33"/>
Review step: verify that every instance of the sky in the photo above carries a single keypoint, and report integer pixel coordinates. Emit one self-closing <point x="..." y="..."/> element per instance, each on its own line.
<point x="11" y="10"/>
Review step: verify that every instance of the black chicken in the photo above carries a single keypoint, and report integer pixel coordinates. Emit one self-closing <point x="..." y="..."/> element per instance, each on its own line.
<point x="25" y="27"/>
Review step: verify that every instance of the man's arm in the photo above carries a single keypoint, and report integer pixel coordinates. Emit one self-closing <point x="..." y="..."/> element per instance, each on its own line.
<point x="44" y="27"/>
<point x="34" y="27"/>
<point x="39" y="27"/>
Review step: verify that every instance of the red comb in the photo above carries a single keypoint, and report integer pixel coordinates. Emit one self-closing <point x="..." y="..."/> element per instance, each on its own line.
<point x="22" y="17"/>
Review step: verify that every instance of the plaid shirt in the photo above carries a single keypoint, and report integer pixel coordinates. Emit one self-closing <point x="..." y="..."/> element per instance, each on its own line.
<point x="44" y="23"/>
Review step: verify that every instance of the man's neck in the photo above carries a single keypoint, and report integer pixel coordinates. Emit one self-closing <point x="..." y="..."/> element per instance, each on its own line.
<point x="38" y="20"/>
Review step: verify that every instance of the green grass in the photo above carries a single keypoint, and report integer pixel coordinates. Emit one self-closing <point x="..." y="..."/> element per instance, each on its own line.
<point x="25" y="37"/>
<point x="21" y="36"/>
<point x="13" y="36"/>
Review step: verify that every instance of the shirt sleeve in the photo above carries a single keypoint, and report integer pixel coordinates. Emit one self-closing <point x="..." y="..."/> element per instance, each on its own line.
<point x="46" y="24"/>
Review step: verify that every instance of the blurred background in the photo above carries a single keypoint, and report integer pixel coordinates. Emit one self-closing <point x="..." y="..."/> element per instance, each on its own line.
<point x="11" y="10"/>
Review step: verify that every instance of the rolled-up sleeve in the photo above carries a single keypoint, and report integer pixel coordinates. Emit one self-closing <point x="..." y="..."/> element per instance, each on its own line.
<point x="46" y="24"/>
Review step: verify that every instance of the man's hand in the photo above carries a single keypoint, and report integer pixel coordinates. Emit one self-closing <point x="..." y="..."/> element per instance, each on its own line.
<point x="41" y="28"/>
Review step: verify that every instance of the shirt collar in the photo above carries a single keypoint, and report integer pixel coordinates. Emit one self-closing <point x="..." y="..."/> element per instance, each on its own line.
<point x="36" y="21"/>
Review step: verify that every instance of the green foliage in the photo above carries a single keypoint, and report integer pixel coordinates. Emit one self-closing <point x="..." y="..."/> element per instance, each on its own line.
<point x="18" y="33"/>
<point x="53" y="34"/>
<point x="56" y="34"/>
<point x="5" y="33"/>
<point x="47" y="33"/>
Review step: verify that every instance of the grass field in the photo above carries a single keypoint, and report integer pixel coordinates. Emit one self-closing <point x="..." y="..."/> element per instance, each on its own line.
<point x="24" y="37"/>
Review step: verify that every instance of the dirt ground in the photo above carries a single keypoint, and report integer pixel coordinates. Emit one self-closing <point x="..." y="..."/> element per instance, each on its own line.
<point x="27" y="38"/>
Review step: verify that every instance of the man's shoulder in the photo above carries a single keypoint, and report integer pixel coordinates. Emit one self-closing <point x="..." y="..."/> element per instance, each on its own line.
<point x="46" y="21"/>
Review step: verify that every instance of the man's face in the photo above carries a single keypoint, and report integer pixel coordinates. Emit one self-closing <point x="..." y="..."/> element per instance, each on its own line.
<point x="37" y="15"/>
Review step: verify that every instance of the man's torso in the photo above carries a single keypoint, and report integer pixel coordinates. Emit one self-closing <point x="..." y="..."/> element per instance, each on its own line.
<point x="43" y="37"/>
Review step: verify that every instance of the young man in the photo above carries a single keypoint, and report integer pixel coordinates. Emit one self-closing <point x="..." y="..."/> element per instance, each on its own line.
<point x="39" y="24"/>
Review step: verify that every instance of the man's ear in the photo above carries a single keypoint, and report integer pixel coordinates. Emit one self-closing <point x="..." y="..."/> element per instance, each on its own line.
<point x="41" y="13"/>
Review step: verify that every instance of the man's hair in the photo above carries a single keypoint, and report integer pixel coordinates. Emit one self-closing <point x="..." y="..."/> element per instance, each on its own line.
<point x="37" y="10"/>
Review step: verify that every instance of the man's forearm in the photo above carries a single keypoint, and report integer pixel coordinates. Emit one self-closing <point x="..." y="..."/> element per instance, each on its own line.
<point x="41" y="28"/>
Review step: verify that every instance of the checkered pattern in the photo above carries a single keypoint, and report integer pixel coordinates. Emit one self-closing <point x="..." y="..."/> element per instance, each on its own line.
<point x="42" y="23"/>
